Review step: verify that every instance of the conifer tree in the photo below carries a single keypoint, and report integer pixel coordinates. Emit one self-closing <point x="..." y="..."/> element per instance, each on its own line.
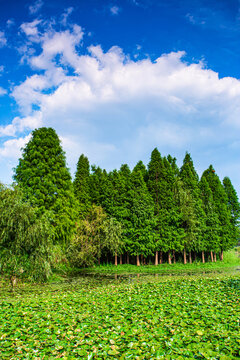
<point x="46" y="182"/>
<point x="193" y="227"/>
<point x="142" y="217"/>
<point x="142" y="168"/>
<point x="233" y="202"/>
<point x="154" y="173"/>
<point x="211" y="231"/>
<point x="221" y="205"/>
<point x="81" y="185"/>
<point x="120" y="204"/>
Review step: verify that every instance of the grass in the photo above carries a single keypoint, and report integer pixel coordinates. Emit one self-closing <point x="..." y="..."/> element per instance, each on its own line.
<point x="148" y="318"/>
<point x="231" y="260"/>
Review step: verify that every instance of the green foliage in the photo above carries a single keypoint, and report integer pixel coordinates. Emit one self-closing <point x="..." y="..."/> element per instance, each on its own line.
<point x="81" y="185"/>
<point x="46" y="182"/>
<point x="94" y="234"/>
<point x="211" y="231"/>
<point x="25" y="238"/>
<point x="194" y="222"/>
<point x="142" y="216"/>
<point x="226" y="230"/>
<point x="149" y="318"/>
<point x="232" y="201"/>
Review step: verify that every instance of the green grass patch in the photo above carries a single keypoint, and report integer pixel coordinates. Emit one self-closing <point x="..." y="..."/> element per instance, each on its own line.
<point x="150" y="317"/>
<point x="231" y="260"/>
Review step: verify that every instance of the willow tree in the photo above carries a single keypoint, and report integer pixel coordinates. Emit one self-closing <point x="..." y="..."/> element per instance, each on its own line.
<point x="25" y="238"/>
<point x="45" y="180"/>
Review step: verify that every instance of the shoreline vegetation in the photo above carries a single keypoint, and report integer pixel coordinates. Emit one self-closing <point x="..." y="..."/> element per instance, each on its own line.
<point x="154" y="214"/>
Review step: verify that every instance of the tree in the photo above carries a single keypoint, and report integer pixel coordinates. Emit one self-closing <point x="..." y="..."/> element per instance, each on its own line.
<point x="227" y="238"/>
<point x="46" y="182"/>
<point x="211" y="232"/>
<point x="142" y="217"/>
<point x="232" y="201"/>
<point x="93" y="235"/>
<point x="154" y="173"/>
<point x="193" y="227"/>
<point x="81" y="185"/>
<point x="25" y="238"/>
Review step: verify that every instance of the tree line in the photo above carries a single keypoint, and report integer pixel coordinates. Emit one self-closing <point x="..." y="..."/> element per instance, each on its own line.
<point x="145" y="215"/>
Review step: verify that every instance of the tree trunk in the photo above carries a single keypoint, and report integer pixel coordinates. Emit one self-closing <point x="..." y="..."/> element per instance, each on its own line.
<point x="161" y="260"/>
<point x="184" y="256"/>
<point x="99" y="261"/>
<point x="127" y="258"/>
<point x="115" y="276"/>
<point x="215" y="257"/>
<point x="138" y="262"/>
<point x="169" y="257"/>
<point x="221" y="255"/>
<point x="116" y="262"/>
<point x="13" y="281"/>
<point x="211" y="254"/>
<point x="141" y="259"/>
<point x="120" y="259"/>
<point x="195" y="256"/>
<point x="203" y="257"/>
<point x="190" y="257"/>
<point x="156" y="258"/>
<point x="174" y="257"/>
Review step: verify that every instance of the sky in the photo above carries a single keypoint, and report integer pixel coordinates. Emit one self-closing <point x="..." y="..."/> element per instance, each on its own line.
<point x="116" y="79"/>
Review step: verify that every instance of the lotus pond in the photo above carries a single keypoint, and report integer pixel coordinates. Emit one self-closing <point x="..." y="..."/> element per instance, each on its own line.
<point x="150" y="317"/>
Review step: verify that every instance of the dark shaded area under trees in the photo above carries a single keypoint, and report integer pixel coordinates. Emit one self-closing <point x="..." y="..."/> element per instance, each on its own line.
<point x="152" y="214"/>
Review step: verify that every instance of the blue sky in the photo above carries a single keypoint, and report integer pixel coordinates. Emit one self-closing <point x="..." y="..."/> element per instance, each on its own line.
<point x="118" y="78"/>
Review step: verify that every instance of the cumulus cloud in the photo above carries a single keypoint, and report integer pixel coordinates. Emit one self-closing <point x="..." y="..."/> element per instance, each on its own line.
<point x="12" y="147"/>
<point x="35" y="7"/>
<point x="115" y="109"/>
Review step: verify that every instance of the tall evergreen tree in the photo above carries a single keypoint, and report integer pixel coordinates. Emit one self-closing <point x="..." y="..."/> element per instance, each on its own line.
<point x="193" y="227"/>
<point x="81" y="184"/>
<point x="211" y="232"/>
<point x="46" y="182"/>
<point x="154" y="173"/>
<point x="142" y="217"/>
<point x="233" y="206"/>
<point x="142" y="168"/>
<point x="161" y="180"/>
<point x="223" y="212"/>
<point x="233" y="202"/>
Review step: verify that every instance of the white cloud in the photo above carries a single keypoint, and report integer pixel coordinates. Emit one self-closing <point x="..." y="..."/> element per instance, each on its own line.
<point x="3" y="40"/>
<point x="35" y="7"/>
<point x="2" y="91"/>
<point x="20" y="125"/>
<point x="117" y="110"/>
<point x="31" y="29"/>
<point x="114" y="10"/>
<point x="12" y="148"/>
<point x="65" y="15"/>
